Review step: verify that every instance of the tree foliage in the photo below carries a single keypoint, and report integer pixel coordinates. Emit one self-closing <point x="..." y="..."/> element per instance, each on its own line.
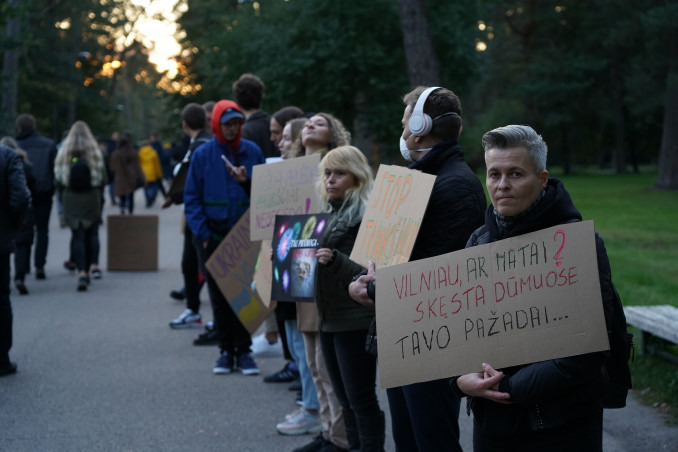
<point x="596" y="79"/>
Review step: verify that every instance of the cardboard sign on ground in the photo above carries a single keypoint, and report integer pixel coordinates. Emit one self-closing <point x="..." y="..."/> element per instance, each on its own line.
<point x="521" y="300"/>
<point x="232" y="266"/>
<point x="282" y="188"/>
<point x="295" y="241"/>
<point x="393" y="216"/>
<point x="132" y="242"/>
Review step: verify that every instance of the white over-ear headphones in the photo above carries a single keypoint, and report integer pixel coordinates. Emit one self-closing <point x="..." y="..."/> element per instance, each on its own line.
<point x="420" y="123"/>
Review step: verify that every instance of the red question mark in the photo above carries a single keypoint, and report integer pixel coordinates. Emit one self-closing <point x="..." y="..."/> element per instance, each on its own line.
<point x="560" y="250"/>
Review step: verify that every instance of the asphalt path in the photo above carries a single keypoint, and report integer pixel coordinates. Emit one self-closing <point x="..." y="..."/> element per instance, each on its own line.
<point x="102" y="371"/>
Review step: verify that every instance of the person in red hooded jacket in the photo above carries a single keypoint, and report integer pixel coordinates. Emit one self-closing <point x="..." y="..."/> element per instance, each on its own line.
<point x="216" y="195"/>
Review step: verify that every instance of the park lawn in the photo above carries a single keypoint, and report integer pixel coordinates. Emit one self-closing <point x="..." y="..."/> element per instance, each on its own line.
<point x="640" y="227"/>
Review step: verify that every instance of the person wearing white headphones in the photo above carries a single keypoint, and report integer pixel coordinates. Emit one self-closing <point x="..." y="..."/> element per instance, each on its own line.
<point x="425" y="415"/>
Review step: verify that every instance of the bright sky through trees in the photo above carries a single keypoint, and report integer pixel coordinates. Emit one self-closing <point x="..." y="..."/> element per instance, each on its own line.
<point x="157" y="29"/>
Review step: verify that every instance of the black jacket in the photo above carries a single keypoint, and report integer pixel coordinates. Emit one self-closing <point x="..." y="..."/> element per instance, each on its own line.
<point x="41" y="152"/>
<point x="456" y="205"/>
<point x="550" y="393"/>
<point x="257" y="128"/>
<point x="15" y="198"/>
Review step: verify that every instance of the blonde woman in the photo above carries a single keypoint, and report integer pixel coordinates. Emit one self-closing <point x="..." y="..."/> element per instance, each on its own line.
<point x="344" y="185"/>
<point x="79" y="171"/>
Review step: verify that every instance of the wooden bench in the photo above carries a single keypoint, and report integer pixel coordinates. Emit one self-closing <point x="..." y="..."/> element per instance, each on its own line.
<point x="660" y="321"/>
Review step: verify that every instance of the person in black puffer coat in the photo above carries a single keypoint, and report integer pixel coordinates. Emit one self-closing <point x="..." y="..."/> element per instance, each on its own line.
<point x="15" y="199"/>
<point x="553" y="405"/>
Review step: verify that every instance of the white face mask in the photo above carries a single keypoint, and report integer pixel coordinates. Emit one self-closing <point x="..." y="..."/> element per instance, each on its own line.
<point x="404" y="151"/>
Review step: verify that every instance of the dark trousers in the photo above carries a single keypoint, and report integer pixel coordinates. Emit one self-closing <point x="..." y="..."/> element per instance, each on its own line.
<point x="5" y="311"/>
<point x="190" y="268"/>
<point x="42" y="207"/>
<point x="353" y="374"/>
<point x="127" y="202"/>
<point x="82" y="240"/>
<point x="22" y="261"/>
<point x="232" y="334"/>
<point x="424" y="417"/>
<point x="583" y="435"/>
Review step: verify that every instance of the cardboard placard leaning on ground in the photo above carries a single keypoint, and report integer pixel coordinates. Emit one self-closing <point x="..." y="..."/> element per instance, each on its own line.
<point x="282" y="188"/>
<point x="525" y="299"/>
<point x="232" y="266"/>
<point x="393" y="216"/>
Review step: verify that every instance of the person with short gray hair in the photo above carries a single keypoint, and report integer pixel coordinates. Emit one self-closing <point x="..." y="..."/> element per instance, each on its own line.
<point x="515" y="136"/>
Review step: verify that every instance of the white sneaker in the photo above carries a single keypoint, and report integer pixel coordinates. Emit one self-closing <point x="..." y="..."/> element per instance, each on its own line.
<point x="303" y="423"/>
<point x="261" y="348"/>
<point x="294" y="413"/>
<point x="187" y="319"/>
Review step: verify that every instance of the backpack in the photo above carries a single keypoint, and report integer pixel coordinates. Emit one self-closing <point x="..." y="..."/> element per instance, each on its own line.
<point x="615" y="369"/>
<point x="80" y="177"/>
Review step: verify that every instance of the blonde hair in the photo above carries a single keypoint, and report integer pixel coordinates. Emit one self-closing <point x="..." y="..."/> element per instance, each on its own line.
<point x="352" y="160"/>
<point x="80" y="143"/>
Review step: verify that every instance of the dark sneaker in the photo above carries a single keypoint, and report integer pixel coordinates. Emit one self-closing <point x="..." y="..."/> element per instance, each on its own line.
<point x="207" y="338"/>
<point x="295" y="385"/>
<point x="318" y="443"/>
<point x="7" y="369"/>
<point x="286" y="375"/>
<point x="21" y="287"/>
<point x="69" y="265"/>
<point x="224" y="364"/>
<point x="82" y="283"/>
<point x="40" y="273"/>
<point x="178" y="294"/>
<point x="246" y="364"/>
<point x="96" y="273"/>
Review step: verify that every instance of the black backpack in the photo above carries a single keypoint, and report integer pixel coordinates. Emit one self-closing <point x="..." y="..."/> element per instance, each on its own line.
<point x="616" y="371"/>
<point x="80" y="178"/>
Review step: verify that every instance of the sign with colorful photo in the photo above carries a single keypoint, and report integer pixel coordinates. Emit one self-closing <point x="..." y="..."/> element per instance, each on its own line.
<point x="295" y="241"/>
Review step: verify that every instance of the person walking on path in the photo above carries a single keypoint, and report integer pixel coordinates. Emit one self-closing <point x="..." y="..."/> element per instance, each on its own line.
<point x="15" y="200"/>
<point x="41" y="152"/>
<point x="150" y="165"/>
<point x="24" y="237"/>
<point x="128" y="174"/>
<point x="80" y="173"/>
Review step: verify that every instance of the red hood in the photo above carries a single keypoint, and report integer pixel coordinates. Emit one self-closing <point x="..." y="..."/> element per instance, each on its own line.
<point x="219" y="108"/>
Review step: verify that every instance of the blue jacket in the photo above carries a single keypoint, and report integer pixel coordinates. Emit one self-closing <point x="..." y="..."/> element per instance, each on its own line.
<point x="213" y="200"/>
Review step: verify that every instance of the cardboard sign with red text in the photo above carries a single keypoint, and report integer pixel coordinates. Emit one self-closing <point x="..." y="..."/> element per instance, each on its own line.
<point x="232" y="266"/>
<point x="282" y="188"/>
<point x="393" y="216"/>
<point x="516" y="301"/>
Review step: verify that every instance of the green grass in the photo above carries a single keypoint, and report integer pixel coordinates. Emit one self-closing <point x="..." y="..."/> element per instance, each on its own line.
<point x="640" y="227"/>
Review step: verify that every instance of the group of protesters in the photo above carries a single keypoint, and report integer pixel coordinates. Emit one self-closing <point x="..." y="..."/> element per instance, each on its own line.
<point x="550" y="405"/>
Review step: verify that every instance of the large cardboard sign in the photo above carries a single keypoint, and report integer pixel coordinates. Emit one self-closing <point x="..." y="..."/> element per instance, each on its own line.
<point x="525" y="299"/>
<point x="232" y="266"/>
<point x="282" y="188"/>
<point x="393" y="216"/>
<point x="295" y="241"/>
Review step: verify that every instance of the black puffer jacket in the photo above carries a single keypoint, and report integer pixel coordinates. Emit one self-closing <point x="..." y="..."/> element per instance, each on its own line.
<point x="550" y="393"/>
<point x="15" y="198"/>
<point x="456" y="205"/>
<point x="337" y="312"/>
<point x="41" y="152"/>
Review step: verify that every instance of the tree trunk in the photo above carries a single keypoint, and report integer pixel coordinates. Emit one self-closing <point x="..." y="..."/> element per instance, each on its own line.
<point x="422" y="62"/>
<point x="10" y="67"/>
<point x="617" y="106"/>
<point x="668" y="158"/>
